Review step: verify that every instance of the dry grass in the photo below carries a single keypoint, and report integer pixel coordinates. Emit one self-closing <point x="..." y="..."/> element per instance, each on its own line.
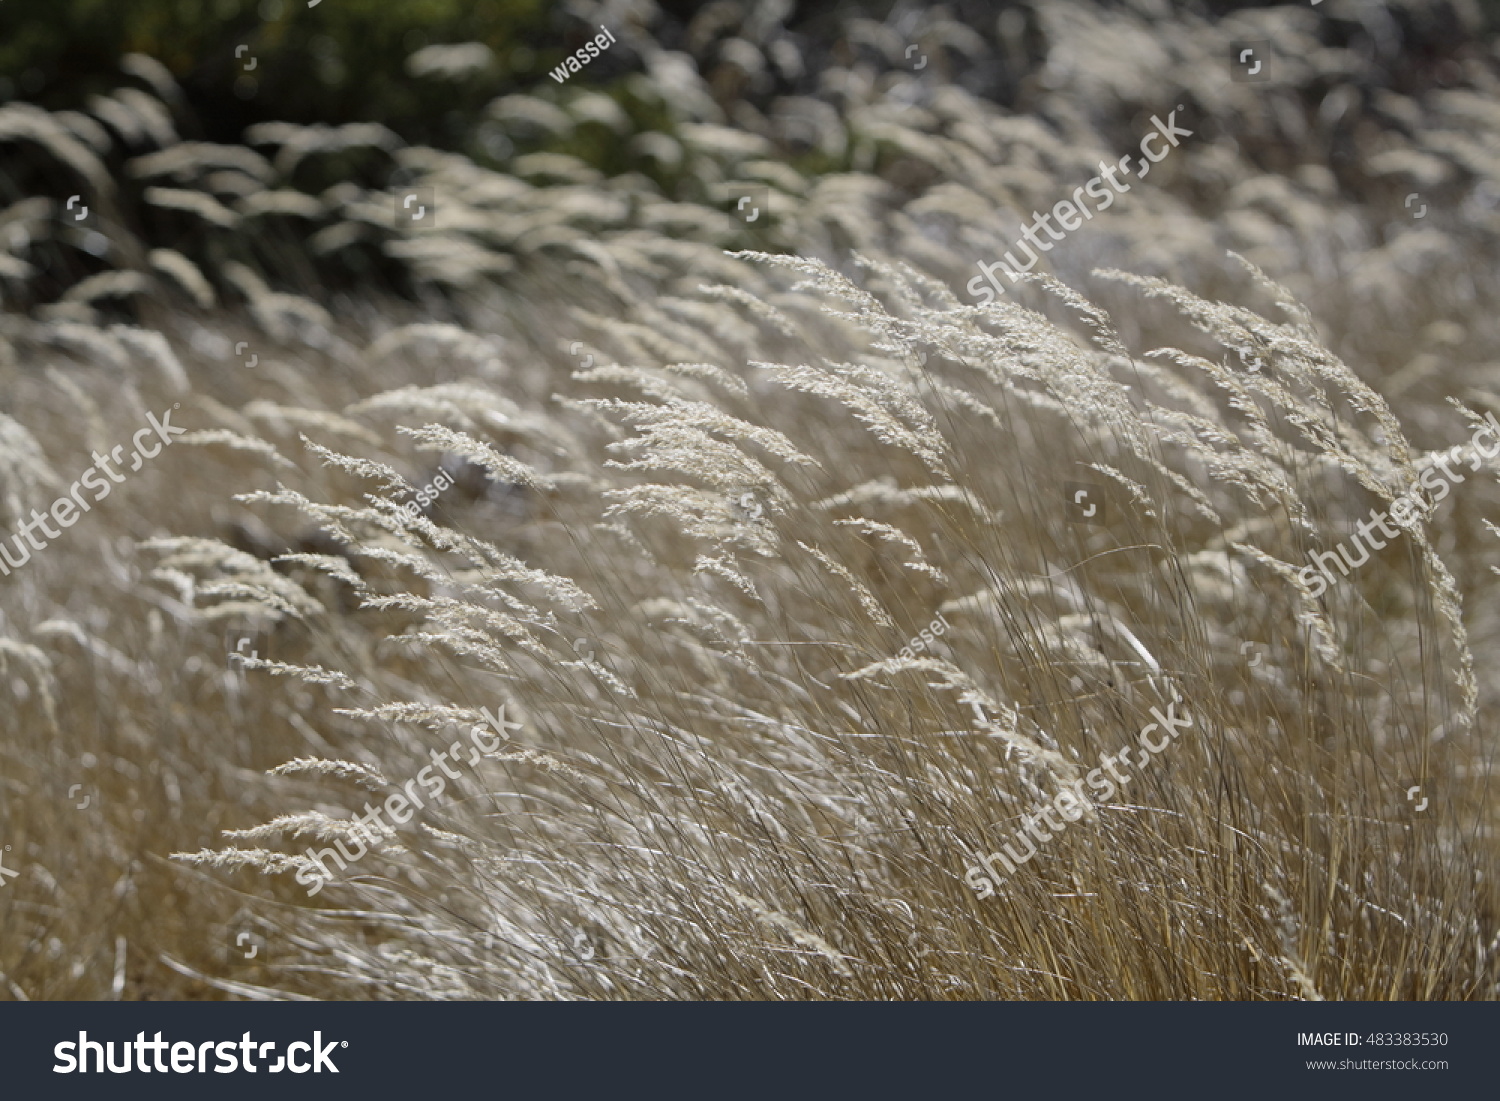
<point x="688" y="569"/>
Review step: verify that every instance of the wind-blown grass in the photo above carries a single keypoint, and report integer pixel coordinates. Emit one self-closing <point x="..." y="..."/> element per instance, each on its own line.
<point x="688" y="567"/>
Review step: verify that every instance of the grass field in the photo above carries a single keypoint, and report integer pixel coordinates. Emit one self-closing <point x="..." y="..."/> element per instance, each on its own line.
<point x="681" y="488"/>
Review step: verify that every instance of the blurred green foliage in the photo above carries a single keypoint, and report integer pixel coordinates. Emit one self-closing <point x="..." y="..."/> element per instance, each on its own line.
<point x="338" y="61"/>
